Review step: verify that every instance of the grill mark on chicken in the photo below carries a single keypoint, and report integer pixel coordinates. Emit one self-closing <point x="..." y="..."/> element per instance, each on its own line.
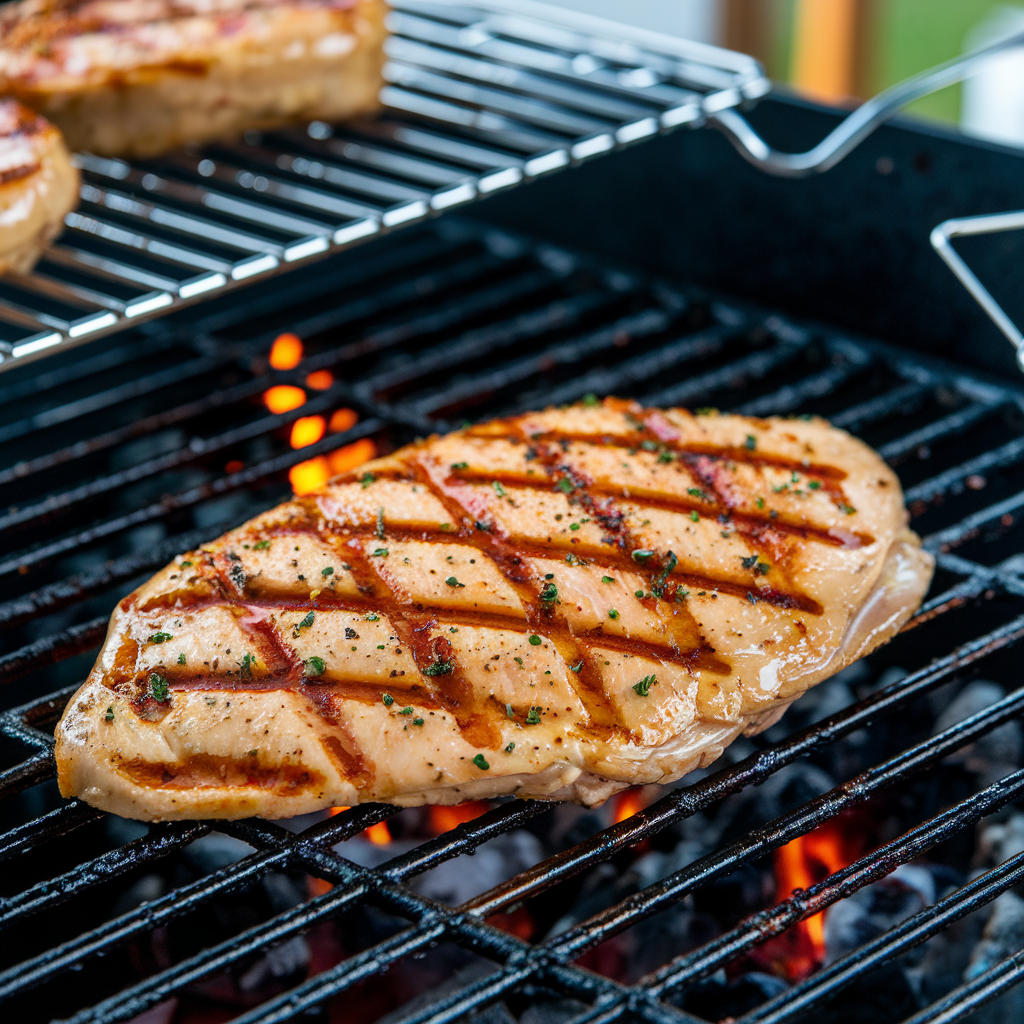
<point x="207" y="770"/>
<point x="585" y="683"/>
<point x="450" y="689"/>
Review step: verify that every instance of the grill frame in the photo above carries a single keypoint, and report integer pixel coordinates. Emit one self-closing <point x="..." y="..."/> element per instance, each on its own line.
<point x="479" y="98"/>
<point x="548" y="964"/>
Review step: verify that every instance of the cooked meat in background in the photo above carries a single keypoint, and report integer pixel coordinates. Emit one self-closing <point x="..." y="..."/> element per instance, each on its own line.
<point x="559" y="605"/>
<point x="133" y="78"/>
<point x="38" y="186"/>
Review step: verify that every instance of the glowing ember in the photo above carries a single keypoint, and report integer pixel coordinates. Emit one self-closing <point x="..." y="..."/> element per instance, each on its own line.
<point x="286" y="352"/>
<point x="445" y="818"/>
<point x="351" y="455"/>
<point x="234" y="466"/>
<point x="626" y="805"/>
<point x="320" y="380"/>
<point x="342" y="420"/>
<point x="378" y="834"/>
<point x="307" y="476"/>
<point x="307" y="430"/>
<point x="283" y="398"/>
<point x="800" y="864"/>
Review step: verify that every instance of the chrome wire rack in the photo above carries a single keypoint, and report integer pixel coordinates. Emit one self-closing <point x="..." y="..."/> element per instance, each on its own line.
<point x="478" y="98"/>
<point x="186" y="449"/>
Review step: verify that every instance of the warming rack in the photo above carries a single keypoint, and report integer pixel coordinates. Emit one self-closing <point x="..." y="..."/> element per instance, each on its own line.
<point x="478" y="98"/>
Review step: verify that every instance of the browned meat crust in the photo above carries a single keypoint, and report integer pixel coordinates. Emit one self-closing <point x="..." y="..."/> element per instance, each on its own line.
<point x="38" y="185"/>
<point x="137" y="77"/>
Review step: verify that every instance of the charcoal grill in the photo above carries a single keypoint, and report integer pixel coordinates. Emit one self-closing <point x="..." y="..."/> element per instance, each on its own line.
<point x="153" y="439"/>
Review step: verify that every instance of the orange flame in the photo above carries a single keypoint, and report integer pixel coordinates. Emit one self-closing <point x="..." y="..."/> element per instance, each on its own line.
<point x="626" y="805"/>
<point x="283" y="398"/>
<point x="307" y="430"/>
<point x="800" y="864"/>
<point x="379" y="834"/>
<point x="342" y="420"/>
<point x="308" y="476"/>
<point x="443" y="818"/>
<point x="349" y="456"/>
<point x="320" y="380"/>
<point x="286" y="352"/>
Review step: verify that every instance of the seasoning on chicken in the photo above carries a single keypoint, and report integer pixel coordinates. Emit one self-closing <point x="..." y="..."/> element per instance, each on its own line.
<point x="558" y="605"/>
<point x="132" y="79"/>
<point x="38" y="186"/>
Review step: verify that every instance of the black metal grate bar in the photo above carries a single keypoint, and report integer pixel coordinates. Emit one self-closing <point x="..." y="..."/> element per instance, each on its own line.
<point x="471" y="322"/>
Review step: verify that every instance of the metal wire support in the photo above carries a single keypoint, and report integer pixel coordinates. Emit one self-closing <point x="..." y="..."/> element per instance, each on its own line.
<point x="846" y="136"/>
<point x="986" y="225"/>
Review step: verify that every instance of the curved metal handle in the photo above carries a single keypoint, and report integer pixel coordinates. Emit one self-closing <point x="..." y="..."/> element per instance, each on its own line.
<point x="861" y="123"/>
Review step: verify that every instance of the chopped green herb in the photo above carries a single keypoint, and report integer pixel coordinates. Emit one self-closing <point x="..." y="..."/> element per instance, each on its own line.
<point x="750" y="562"/>
<point x="329" y="571"/>
<point x="565" y="485"/>
<point x="159" y="638"/>
<point x="254" y="752"/>
<point x="612" y="613"/>
<point x="848" y="509"/>
<point x="439" y="668"/>
<point x="453" y="629"/>
<point x="751" y="443"/>
<point x="405" y="711"/>
<point x="380" y="647"/>
<point x="638" y="593"/>
<point x="695" y="515"/>
<point x="780" y="488"/>
<point x="509" y="712"/>
<point x="535" y="641"/>
<point x="510" y="748"/>
<point x="186" y="565"/>
<point x="158" y="688"/>
<point x="245" y="665"/>
<point x="695" y="492"/>
<point x="314" y="667"/>
<point x="446" y="527"/>
<point x="575" y="559"/>
<point x="388" y="699"/>
<point x="417" y="721"/>
<point x="752" y="598"/>
<point x="574" y="526"/>
<point x="549" y="594"/>
<point x="607" y="579"/>
<point x="481" y="762"/>
<point x="682" y="593"/>
<point x="372" y="617"/>
<point x="533" y="718"/>
<point x="109" y="716"/>
<point x="460" y="465"/>
<point x="380" y="524"/>
<point x="762" y="568"/>
<point x="578" y="667"/>
<point x="498" y="489"/>
<point x="643" y="688"/>
<point x="641" y="556"/>
<point x="760" y="502"/>
<point x="261" y="545"/>
<point x="590" y="400"/>
<point x="666" y="457"/>
<point x="453" y="582"/>
<point x="307" y="621"/>
<point x="518" y="661"/>
<point x="814" y="484"/>
<point x="380" y="553"/>
<point x="650" y="446"/>
<point x="181" y="658"/>
<point x="366" y="479"/>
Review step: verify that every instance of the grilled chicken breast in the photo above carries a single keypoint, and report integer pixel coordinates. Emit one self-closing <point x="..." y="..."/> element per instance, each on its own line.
<point x="558" y="605"/>
<point x="38" y="186"/>
<point x="134" y="78"/>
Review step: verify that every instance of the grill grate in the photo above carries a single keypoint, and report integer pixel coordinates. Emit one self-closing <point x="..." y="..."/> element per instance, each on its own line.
<point x="478" y="98"/>
<point x="115" y="460"/>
